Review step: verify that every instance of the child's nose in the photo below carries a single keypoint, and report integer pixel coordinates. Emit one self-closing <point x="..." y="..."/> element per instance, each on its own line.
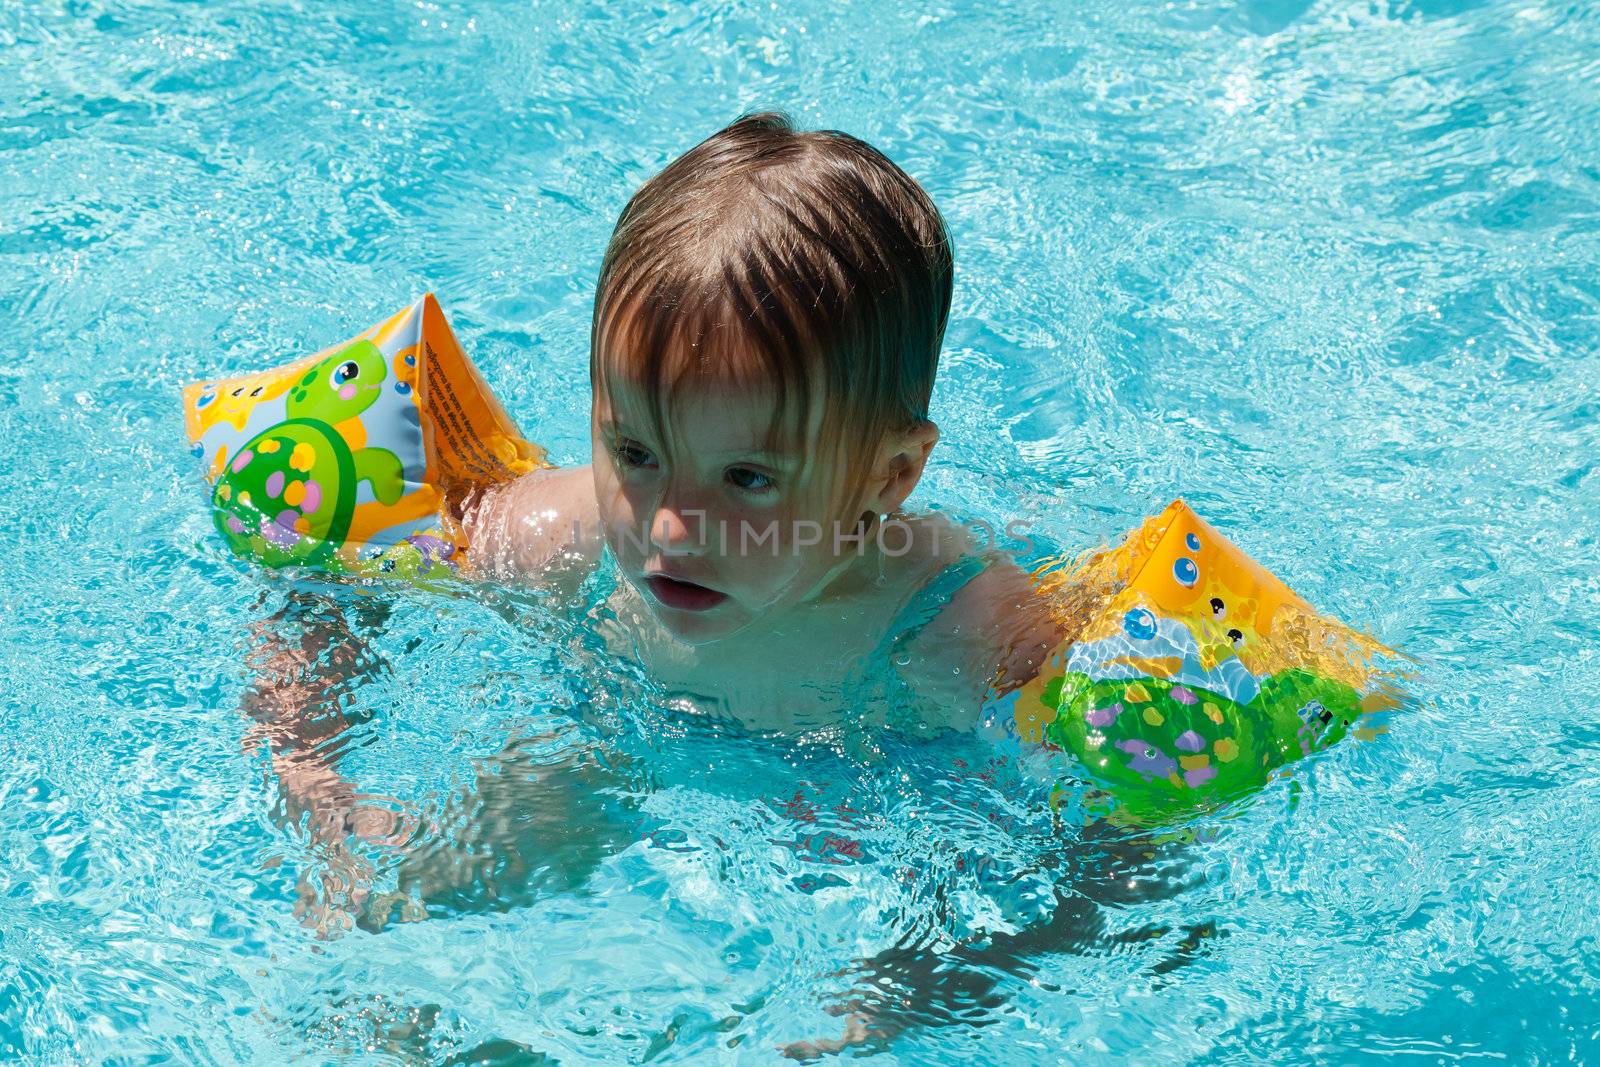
<point x="677" y="530"/>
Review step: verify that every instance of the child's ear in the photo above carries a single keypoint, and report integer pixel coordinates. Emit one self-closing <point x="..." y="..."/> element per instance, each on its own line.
<point x="900" y="464"/>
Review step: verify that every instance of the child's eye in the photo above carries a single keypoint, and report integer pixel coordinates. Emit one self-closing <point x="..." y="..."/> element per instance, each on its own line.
<point x="631" y="453"/>
<point x="750" y="481"/>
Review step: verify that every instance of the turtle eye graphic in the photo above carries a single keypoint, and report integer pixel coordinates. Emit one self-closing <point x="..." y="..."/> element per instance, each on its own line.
<point x="237" y="392"/>
<point x="1237" y="637"/>
<point x="1219" y="610"/>
<point x="348" y="371"/>
<point x="258" y="390"/>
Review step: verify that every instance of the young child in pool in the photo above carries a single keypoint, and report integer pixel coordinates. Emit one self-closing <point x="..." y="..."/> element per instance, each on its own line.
<point x="766" y="332"/>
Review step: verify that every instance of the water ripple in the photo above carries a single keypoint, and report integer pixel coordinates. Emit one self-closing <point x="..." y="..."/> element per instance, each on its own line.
<point x="1326" y="268"/>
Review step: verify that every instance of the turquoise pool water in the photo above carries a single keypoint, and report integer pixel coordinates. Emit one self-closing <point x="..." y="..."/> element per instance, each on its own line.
<point x="1329" y="270"/>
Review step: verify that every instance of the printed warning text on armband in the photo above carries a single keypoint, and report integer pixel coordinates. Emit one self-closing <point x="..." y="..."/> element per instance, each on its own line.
<point x="463" y="448"/>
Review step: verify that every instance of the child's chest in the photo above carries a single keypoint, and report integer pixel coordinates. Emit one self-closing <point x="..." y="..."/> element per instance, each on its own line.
<point x="824" y="665"/>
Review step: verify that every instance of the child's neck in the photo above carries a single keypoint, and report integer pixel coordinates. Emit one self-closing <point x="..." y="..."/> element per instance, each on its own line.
<point x="849" y="576"/>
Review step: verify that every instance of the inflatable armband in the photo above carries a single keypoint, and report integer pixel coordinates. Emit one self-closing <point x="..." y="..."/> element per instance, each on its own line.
<point x="1193" y="674"/>
<point x="341" y="460"/>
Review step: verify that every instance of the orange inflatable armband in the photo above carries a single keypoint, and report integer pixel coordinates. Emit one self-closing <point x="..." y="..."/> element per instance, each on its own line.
<point x="341" y="460"/>
<point x="1191" y="673"/>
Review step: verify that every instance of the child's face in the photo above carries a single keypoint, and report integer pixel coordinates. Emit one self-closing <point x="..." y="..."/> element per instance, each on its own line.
<point x="696" y="523"/>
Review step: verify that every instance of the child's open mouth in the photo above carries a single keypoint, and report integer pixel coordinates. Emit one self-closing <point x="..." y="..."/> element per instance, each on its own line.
<point x="685" y="596"/>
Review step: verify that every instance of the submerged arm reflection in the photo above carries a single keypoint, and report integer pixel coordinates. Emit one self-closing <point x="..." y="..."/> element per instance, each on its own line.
<point x="307" y="664"/>
<point x="536" y="817"/>
<point x="914" y="984"/>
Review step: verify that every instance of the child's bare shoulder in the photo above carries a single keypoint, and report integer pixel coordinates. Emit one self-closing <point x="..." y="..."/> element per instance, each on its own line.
<point x="545" y="524"/>
<point x="993" y="626"/>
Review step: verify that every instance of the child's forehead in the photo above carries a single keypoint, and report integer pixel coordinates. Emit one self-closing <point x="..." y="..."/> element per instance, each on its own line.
<point x="703" y="415"/>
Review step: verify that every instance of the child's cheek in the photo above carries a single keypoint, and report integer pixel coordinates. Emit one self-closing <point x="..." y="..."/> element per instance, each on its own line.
<point x="749" y="537"/>
<point x="616" y="506"/>
<point x="767" y="561"/>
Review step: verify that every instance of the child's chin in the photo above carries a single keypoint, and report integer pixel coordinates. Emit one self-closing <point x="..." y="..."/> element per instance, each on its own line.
<point x="698" y="627"/>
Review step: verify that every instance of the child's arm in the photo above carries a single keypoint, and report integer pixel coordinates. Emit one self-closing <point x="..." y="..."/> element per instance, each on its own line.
<point x="531" y="821"/>
<point x="915" y="984"/>
<point x="542" y="526"/>
<point x="307" y="663"/>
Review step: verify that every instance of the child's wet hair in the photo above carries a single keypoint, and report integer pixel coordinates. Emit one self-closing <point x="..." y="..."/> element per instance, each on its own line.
<point x="803" y="261"/>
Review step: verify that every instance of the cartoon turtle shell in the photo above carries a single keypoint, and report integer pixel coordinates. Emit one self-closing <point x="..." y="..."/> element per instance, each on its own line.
<point x="288" y="495"/>
<point x="1168" y="750"/>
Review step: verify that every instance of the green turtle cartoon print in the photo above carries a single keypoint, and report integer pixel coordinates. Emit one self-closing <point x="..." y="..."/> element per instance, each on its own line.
<point x="1166" y="748"/>
<point x="288" y="494"/>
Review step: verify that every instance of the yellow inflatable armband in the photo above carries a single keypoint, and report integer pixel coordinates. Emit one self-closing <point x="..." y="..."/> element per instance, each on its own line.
<point x="1190" y="673"/>
<point x="341" y="460"/>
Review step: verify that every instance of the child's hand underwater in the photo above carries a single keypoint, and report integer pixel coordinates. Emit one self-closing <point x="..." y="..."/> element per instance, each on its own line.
<point x="858" y="1030"/>
<point x="335" y="891"/>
